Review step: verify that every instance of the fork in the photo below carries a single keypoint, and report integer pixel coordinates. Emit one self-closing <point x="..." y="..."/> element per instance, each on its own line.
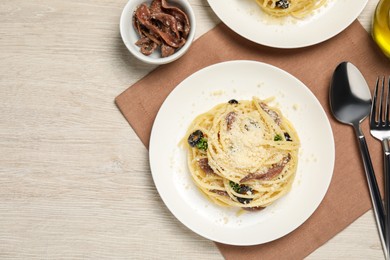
<point x="380" y="129"/>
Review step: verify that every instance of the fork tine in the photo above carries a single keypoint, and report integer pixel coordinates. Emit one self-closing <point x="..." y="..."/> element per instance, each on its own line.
<point x="373" y="119"/>
<point x="381" y="101"/>
<point x="387" y="123"/>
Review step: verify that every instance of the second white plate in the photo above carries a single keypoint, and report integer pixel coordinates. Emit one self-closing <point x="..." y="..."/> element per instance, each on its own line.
<point x="247" y="19"/>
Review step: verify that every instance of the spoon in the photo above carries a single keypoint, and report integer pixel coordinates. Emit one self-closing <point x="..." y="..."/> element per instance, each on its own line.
<point x="350" y="102"/>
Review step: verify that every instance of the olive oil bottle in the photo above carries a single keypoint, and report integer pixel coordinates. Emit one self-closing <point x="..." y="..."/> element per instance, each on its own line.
<point x="381" y="26"/>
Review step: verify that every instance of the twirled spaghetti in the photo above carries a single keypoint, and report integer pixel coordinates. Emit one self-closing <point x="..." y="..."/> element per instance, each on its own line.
<point x="295" y="8"/>
<point x="243" y="153"/>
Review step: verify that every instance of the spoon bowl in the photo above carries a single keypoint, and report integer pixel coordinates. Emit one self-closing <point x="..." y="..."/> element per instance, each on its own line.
<point x="350" y="97"/>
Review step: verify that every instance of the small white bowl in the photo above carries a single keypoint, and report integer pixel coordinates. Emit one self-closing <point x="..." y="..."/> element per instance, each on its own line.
<point x="130" y="36"/>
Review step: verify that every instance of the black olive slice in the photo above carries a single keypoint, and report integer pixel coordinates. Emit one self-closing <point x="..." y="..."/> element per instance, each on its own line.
<point x="287" y="136"/>
<point x="242" y="189"/>
<point x="283" y="4"/>
<point x="233" y="101"/>
<point x="194" y="138"/>
<point x="243" y="200"/>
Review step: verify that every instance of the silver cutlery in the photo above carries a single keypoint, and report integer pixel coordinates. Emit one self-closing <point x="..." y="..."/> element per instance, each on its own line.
<point x="380" y="129"/>
<point x="350" y="102"/>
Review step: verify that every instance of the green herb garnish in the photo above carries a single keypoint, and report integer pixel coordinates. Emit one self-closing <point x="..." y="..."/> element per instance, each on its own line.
<point x="202" y="144"/>
<point x="235" y="186"/>
<point x="278" y="138"/>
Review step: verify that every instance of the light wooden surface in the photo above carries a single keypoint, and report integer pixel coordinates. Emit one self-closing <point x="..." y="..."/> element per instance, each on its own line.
<point x="74" y="179"/>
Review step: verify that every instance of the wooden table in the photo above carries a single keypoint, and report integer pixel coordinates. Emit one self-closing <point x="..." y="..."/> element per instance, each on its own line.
<point x="74" y="178"/>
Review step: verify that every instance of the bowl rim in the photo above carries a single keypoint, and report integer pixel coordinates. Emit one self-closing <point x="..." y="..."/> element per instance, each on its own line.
<point x="126" y="24"/>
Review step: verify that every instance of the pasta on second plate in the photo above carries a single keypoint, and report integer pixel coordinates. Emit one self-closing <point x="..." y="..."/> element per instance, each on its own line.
<point x="243" y="153"/>
<point x="295" y="8"/>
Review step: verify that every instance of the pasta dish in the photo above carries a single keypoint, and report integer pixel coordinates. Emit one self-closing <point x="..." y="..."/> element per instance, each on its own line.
<point x="242" y="153"/>
<point x="295" y="8"/>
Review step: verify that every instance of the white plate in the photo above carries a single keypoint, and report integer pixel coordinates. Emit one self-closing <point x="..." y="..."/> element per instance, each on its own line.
<point x="247" y="19"/>
<point x="241" y="80"/>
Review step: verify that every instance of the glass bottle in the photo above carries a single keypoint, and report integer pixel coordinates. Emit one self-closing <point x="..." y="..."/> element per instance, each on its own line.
<point x="381" y="26"/>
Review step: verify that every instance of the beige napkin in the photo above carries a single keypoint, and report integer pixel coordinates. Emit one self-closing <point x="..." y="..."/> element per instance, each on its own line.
<point x="348" y="196"/>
